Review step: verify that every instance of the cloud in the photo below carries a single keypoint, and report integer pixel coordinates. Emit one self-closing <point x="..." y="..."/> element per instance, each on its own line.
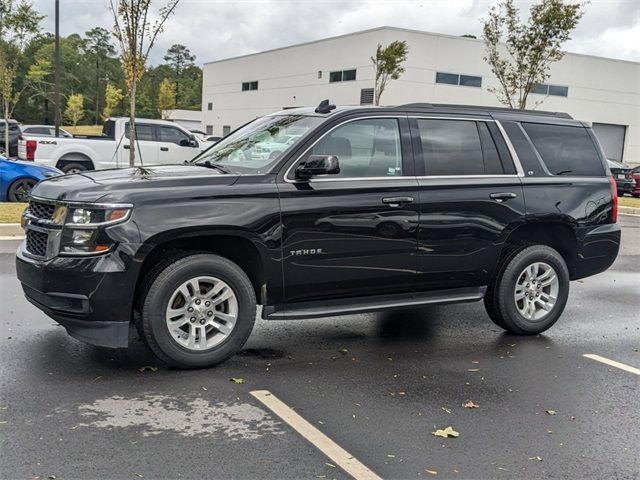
<point x="219" y="29"/>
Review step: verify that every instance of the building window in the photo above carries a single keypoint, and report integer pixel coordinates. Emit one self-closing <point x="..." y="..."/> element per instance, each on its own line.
<point x="210" y="106"/>
<point x="342" y="76"/>
<point x="456" y="79"/>
<point x="209" y="129"/>
<point x="226" y="130"/>
<point x="366" y="96"/>
<point x="547" y="89"/>
<point x="246" y="86"/>
<point x="319" y="73"/>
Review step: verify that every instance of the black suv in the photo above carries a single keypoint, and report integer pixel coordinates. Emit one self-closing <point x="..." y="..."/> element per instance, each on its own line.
<point x="313" y="213"/>
<point x="14" y="136"/>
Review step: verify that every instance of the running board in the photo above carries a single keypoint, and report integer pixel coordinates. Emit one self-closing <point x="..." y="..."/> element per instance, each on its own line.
<point x="349" y="306"/>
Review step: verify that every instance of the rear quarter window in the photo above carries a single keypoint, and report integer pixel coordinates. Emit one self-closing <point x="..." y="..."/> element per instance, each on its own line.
<point x="565" y="150"/>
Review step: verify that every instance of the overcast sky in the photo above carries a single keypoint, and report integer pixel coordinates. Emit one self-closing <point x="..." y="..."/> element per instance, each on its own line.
<point x="215" y="29"/>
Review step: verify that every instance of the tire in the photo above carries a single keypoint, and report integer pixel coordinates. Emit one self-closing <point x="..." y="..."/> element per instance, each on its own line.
<point x="187" y="346"/>
<point x="514" y="315"/>
<point x="19" y="190"/>
<point x="74" y="168"/>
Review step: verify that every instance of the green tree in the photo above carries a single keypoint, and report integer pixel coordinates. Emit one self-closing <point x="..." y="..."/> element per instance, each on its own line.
<point x="530" y="47"/>
<point x="388" y="65"/>
<point x="99" y="47"/>
<point x="179" y="58"/>
<point x="19" y="24"/>
<point x="113" y="96"/>
<point x="75" y="109"/>
<point x="136" y="35"/>
<point x="166" y="97"/>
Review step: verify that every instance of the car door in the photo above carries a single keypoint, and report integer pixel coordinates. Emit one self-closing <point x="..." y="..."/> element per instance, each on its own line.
<point x="470" y="194"/>
<point x="175" y="146"/>
<point x="352" y="233"/>
<point x="145" y="146"/>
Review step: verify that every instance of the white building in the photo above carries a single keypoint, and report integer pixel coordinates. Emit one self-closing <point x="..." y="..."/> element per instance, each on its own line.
<point x="439" y="69"/>
<point x="189" y="119"/>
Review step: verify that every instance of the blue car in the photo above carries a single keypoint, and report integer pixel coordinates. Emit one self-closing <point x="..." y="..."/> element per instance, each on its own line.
<point x="18" y="178"/>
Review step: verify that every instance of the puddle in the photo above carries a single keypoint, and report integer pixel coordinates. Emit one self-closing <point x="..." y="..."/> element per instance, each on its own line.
<point x="156" y="414"/>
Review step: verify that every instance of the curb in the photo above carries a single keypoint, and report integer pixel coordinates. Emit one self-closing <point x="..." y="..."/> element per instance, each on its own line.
<point x="11" y="230"/>
<point x="629" y="210"/>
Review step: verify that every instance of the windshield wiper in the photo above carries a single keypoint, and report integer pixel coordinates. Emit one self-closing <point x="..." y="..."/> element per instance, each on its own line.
<point x="208" y="164"/>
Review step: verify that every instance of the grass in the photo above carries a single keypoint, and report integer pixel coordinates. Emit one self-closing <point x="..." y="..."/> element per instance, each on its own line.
<point x="627" y="201"/>
<point x="85" y="130"/>
<point x="11" y="212"/>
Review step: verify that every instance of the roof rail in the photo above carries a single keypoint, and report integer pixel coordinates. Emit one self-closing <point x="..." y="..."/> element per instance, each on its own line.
<point x="480" y="108"/>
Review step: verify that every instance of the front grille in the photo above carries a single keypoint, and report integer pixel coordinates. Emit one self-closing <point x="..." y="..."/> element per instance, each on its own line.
<point x="37" y="243"/>
<point x="41" y="210"/>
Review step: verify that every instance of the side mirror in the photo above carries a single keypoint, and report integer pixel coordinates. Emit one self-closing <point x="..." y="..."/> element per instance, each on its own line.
<point x="318" y="165"/>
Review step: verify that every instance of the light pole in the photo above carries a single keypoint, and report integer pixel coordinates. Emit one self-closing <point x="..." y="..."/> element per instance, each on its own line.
<point x="57" y="70"/>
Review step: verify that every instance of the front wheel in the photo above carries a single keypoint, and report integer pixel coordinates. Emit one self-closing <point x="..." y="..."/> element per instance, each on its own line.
<point x="530" y="291"/>
<point x="20" y="189"/>
<point x="199" y="311"/>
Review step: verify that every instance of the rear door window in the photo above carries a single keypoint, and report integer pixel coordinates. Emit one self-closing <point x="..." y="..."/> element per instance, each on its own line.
<point x="144" y="132"/>
<point x="565" y="150"/>
<point x="451" y="147"/>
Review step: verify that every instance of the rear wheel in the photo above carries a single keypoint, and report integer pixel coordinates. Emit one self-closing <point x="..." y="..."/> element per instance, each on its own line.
<point x="530" y="291"/>
<point x="199" y="311"/>
<point x="20" y="189"/>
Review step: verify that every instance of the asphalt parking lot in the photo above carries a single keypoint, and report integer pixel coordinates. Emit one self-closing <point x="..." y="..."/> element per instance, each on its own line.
<point x="376" y="385"/>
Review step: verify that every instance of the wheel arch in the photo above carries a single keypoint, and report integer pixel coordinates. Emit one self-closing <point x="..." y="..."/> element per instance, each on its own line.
<point x="74" y="157"/>
<point x="236" y="246"/>
<point x="558" y="235"/>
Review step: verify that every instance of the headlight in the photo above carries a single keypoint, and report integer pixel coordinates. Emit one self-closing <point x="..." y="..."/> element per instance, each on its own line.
<point x="84" y="230"/>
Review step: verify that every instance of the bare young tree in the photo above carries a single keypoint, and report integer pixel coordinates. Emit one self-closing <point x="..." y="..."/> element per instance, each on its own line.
<point x="136" y="34"/>
<point x="388" y="64"/>
<point x="530" y="47"/>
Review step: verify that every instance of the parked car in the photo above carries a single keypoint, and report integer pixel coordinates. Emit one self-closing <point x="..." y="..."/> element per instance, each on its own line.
<point x="186" y="252"/>
<point x="18" y="178"/>
<point x="43" y="131"/>
<point x="635" y="174"/>
<point x="14" y="135"/>
<point x="159" y="142"/>
<point x="622" y="175"/>
<point x="274" y="148"/>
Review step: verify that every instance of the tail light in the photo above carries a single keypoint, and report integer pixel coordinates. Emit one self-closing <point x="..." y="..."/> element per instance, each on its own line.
<point x="31" y="146"/>
<point x="614" y="198"/>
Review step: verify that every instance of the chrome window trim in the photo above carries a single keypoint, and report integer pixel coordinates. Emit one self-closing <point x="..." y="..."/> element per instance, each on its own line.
<point x="507" y="140"/>
<point x="511" y="148"/>
<point x="342" y="179"/>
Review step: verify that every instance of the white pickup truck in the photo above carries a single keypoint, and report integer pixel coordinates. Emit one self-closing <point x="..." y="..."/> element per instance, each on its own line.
<point x="158" y="142"/>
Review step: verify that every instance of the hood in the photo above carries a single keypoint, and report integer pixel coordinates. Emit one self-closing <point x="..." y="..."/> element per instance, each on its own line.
<point x="119" y="185"/>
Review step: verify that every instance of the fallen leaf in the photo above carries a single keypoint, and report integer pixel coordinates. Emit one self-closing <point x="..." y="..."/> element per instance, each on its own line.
<point x="390" y="455"/>
<point x="239" y="381"/>
<point x="448" y="410"/>
<point x="330" y="465"/>
<point x="204" y="388"/>
<point x="473" y="369"/>
<point x="551" y="412"/>
<point x="447" y="432"/>
<point x="344" y="350"/>
<point x="139" y="475"/>
<point x="147" y="367"/>
<point x="537" y="457"/>
<point x="470" y="404"/>
<point x="432" y="472"/>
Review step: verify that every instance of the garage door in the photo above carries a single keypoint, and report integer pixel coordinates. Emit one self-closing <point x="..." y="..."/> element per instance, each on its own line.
<point x="611" y="138"/>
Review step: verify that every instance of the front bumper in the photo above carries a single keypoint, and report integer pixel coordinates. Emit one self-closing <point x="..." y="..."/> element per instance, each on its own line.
<point x="92" y="297"/>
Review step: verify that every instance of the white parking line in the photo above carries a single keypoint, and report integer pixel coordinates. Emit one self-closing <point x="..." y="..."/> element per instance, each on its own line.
<point x="612" y="363"/>
<point x="335" y="452"/>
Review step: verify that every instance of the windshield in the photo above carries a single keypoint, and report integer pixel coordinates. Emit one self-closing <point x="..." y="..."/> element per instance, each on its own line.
<point x="255" y="147"/>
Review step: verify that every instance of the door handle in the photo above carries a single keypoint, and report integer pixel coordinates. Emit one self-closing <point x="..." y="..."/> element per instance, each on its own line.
<point x="164" y="149"/>
<point x="397" y="202"/>
<point x="502" y="196"/>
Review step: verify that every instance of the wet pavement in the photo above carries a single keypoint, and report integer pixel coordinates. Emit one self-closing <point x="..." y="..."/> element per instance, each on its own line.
<point x="377" y="385"/>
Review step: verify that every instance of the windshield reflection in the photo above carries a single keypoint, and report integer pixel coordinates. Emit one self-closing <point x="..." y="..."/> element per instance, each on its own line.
<point x="257" y="146"/>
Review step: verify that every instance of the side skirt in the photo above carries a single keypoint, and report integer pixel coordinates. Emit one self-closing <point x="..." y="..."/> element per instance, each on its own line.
<point x="349" y="306"/>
